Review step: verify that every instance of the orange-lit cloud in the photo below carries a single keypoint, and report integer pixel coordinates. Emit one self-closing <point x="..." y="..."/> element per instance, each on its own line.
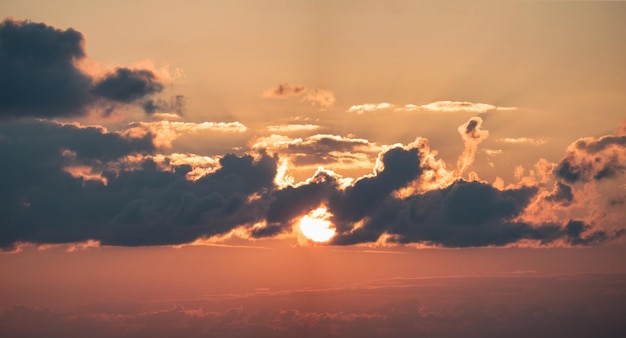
<point x="288" y="128"/>
<point x="438" y="106"/>
<point x="522" y="140"/>
<point x="456" y="106"/>
<point x="369" y="107"/>
<point x="165" y="132"/>
<point x="323" y="98"/>
<point x="472" y="135"/>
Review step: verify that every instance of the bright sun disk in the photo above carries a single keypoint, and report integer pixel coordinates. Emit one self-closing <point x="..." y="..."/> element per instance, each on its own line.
<point x="316" y="226"/>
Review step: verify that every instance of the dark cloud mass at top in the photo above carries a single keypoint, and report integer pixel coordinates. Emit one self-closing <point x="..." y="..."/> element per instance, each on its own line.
<point x="40" y="77"/>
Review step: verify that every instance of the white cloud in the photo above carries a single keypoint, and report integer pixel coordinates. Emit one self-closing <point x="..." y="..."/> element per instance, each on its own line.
<point x="520" y="140"/>
<point x="369" y="107"/>
<point x="285" y="128"/>
<point x="438" y="106"/>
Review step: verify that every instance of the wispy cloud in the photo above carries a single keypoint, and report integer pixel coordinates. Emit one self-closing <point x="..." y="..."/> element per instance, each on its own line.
<point x="438" y="106"/>
<point x="369" y="107"/>
<point x="283" y="91"/>
<point x="286" y="128"/>
<point x="522" y="140"/>
<point x="165" y="132"/>
<point x="459" y="106"/>
<point x="323" y="98"/>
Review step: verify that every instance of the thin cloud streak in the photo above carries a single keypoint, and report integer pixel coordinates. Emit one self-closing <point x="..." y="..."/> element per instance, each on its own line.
<point x="438" y="106"/>
<point x="288" y="128"/>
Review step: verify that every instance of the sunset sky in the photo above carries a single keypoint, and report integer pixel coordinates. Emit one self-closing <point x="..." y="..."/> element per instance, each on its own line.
<point x="312" y="169"/>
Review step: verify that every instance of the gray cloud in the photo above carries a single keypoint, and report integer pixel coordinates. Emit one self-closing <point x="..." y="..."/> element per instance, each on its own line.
<point x="39" y="76"/>
<point x="590" y="159"/>
<point x="143" y="204"/>
<point x="127" y="85"/>
<point x="41" y="202"/>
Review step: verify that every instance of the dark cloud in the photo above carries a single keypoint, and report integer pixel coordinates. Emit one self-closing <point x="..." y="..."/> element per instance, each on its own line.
<point x="41" y="202"/>
<point x="176" y="105"/>
<point x="593" y="159"/>
<point x="461" y="215"/>
<point x="118" y="200"/>
<point x="39" y="76"/>
<point x="38" y="73"/>
<point x="127" y="85"/>
<point x="562" y="194"/>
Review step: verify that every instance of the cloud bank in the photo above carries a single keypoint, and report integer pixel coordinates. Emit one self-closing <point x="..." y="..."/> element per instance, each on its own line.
<point x="147" y="204"/>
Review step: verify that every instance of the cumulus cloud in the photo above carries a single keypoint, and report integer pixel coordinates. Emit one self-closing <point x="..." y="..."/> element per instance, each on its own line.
<point x="593" y="159"/>
<point x="42" y="203"/>
<point x="127" y="85"/>
<point x="41" y="76"/>
<point x="51" y="193"/>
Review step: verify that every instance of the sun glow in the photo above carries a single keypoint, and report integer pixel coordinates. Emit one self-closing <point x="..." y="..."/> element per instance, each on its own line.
<point x="316" y="226"/>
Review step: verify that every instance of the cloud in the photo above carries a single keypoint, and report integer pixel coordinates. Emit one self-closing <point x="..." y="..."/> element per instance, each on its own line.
<point x="41" y="76"/>
<point x="127" y="85"/>
<point x="323" y="98"/>
<point x="438" y="106"/>
<point x="562" y="194"/>
<point x="284" y="90"/>
<point x="176" y="106"/>
<point x="331" y="151"/>
<point x="369" y="107"/>
<point x="459" y="215"/>
<point x="66" y="183"/>
<point x="165" y="132"/>
<point x="521" y="140"/>
<point x="42" y="203"/>
<point x="593" y="159"/>
<point x="458" y="106"/>
<point x="472" y="135"/>
<point x="288" y="128"/>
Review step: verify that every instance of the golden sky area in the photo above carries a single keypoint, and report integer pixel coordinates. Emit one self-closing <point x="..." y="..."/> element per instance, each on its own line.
<point x="312" y="168"/>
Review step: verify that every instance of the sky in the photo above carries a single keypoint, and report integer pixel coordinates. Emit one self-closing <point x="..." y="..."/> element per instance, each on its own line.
<point x="312" y="168"/>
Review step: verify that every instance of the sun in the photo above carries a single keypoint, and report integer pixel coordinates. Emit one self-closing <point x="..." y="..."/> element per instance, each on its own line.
<point x="316" y="226"/>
